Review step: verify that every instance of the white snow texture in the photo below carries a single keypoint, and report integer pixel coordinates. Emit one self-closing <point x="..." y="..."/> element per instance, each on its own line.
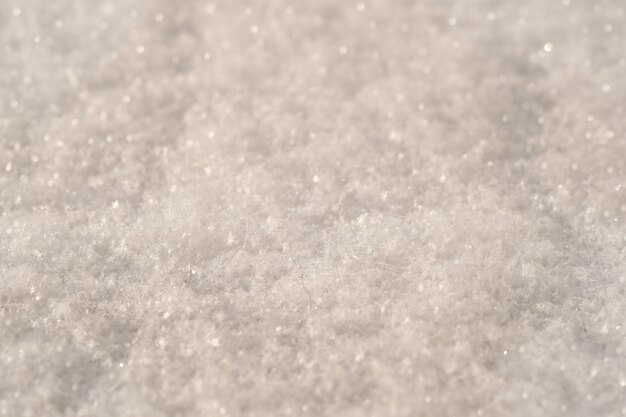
<point x="312" y="208"/>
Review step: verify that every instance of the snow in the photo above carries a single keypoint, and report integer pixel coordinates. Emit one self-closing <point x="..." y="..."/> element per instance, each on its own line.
<point x="312" y="208"/>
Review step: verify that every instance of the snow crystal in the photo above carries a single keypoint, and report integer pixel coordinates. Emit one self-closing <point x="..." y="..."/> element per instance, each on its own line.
<point x="312" y="208"/>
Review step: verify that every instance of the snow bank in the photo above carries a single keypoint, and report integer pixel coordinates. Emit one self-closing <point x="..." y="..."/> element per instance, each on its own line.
<point x="312" y="208"/>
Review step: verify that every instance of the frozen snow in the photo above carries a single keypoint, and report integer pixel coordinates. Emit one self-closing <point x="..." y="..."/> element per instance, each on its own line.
<point x="312" y="208"/>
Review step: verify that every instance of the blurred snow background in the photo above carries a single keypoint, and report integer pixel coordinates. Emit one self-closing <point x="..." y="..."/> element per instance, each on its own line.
<point x="312" y="208"/>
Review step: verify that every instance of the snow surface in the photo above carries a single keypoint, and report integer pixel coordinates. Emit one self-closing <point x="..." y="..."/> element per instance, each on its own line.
<point x="312" y="208"/>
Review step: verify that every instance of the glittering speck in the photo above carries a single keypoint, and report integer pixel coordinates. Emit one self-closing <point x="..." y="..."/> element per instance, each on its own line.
<point x="548" y="47"/>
